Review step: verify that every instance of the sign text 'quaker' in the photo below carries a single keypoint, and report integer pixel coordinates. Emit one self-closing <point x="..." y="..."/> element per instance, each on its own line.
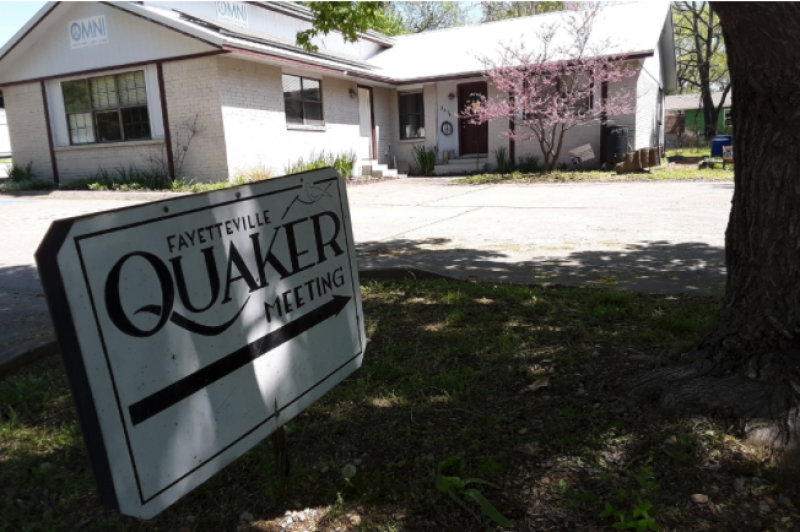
<point x="193" y="328"/>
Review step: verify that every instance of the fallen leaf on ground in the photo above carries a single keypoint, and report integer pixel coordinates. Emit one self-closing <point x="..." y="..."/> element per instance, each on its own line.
<point x="541" y="382"/>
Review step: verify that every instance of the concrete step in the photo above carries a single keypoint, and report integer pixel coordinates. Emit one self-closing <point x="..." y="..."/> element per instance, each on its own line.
<point x="471" y="156"/>
<point x="461" y="166"/>
<point x="382" y="169"/>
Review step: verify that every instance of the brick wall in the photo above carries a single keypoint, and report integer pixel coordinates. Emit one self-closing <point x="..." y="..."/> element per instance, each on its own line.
<point x="193" y="90"/>
<point x="254" y="119"/>
<point x="496" y="130"/>
<point x="86" y="161"/>
<point x="27" y="128"/>
<point x="386" y="121"/>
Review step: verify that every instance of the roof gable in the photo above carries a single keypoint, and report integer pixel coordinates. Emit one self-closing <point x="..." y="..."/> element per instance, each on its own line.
<point x="43" y="47"/>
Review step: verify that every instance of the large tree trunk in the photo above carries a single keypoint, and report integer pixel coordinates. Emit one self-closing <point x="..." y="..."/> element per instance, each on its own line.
<point x="704" y="69"/>
<point x="748" y="367"/>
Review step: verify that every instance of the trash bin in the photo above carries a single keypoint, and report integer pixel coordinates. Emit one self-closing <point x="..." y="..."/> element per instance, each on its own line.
<point x="616" y="143"/>
<point x="717" y="144"/>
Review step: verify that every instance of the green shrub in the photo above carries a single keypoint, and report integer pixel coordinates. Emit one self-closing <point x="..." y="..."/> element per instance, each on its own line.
<point x="19" y="173"/>
<point x="253" y="173"/>
<point x="425" y="158"/>
<point x="529" y="164"/>
<point x="503" y="163"/>
<point x="122" y="179"/>
<point x="30" y="184"/>
<point x="344" y="163"/>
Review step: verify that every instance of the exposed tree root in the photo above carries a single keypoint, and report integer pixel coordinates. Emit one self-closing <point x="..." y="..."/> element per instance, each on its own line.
<point x="762" y="404"/>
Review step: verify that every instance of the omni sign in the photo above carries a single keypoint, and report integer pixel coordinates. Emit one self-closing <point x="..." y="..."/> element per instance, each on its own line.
<point x="235" y="12"/>
<point x="193" y="328"/>
<point x="88" y="32"/>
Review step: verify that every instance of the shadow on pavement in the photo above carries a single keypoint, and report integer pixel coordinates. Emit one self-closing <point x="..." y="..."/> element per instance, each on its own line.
<point x="20" y="279"/>
<point x="648" y="266"/>
<point x="25" y="326"/>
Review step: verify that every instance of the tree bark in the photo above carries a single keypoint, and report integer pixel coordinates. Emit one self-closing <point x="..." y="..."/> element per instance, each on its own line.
<point x="748" y="366"/>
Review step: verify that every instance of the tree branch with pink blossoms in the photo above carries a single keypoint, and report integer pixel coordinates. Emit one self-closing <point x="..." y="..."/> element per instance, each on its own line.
<point x="549" y="88"/>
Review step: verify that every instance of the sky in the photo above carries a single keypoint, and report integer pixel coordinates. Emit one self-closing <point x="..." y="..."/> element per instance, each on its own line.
<point x="13" y="15"/>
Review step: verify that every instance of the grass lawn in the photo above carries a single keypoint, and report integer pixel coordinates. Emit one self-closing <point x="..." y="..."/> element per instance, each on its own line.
<point x="448" y="372"/>
<point x="701" y="151"/>
<point x="659" y="174"/>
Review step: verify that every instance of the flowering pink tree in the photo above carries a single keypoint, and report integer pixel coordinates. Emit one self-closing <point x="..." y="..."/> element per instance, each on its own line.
<point x="549" y="88"/>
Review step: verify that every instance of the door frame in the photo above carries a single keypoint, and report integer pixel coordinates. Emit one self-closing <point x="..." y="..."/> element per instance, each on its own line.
<point x="461" y="121"/>
<point x="372" y="119"/>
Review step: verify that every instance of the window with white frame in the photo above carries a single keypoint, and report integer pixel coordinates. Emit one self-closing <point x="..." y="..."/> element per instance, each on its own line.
<point x="107" y="108"/>
<point x="302" y="98"/>
<point x="412" y="115"/>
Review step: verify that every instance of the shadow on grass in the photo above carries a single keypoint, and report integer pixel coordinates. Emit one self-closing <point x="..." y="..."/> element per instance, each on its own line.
<point x="443" y="376"/>
<point x="648" y="266"/>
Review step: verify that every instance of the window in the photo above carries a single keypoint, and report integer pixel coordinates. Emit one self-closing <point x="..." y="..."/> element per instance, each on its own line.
<point x="412" y="116"/>
<point x="106" y="108"/>
<point x="728" y="117"/>
<point x="302" y="99"/>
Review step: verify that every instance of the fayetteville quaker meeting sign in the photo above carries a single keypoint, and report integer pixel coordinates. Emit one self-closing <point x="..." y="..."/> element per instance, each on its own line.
<point x="192" y="328"/>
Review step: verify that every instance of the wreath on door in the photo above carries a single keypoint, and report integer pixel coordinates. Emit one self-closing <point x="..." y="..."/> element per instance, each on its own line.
<point x="447" y="128"/>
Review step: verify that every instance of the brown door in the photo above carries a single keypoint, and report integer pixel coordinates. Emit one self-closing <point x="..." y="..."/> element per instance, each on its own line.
<point x="472" y="138"/>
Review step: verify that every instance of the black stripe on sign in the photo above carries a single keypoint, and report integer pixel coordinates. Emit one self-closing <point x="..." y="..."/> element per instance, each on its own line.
<point x="174" y="393"/>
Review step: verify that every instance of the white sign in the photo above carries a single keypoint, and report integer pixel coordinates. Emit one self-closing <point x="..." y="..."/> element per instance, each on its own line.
<point x="193" y="328"/>
<point x="582" y="154"/>
<point x="235" y="12"/>
<point x="727" y="154"/>
<point x="88" y="32"/>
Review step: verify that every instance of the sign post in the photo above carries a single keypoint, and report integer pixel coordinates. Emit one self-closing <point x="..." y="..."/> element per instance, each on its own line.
<point x="193" y="328"/>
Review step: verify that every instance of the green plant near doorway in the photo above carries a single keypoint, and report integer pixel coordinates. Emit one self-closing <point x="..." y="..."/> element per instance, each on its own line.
<point x="504" y="164"/>
<point x="425" y="158"/>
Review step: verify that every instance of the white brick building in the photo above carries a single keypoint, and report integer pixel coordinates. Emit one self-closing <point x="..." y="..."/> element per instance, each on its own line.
<point x="108" y="85"/>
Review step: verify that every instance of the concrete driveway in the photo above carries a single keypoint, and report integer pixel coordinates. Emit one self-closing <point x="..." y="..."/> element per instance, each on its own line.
<point x="663" y="236"/>
<point x="657" y="237"/>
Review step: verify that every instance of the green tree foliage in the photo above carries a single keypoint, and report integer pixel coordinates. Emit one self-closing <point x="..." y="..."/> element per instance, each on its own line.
<point x="389" y="21"/>
<point x="348" y="18"/>
<point x="491" y="11"/>
<point x="702" y="61"/>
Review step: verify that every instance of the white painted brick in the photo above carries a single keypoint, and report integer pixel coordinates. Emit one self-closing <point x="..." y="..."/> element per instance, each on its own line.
<point x="27" y="128"/>
<point x="254" y="118"/>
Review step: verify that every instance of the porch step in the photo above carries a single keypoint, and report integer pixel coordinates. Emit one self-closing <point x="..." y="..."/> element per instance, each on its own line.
<point x="462" y="165"/>
<point x="380" y="170"/>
